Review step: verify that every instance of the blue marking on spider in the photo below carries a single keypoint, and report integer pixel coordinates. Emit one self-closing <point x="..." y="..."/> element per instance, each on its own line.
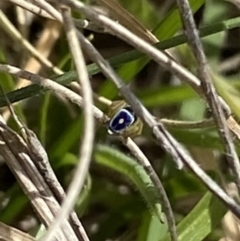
<point x="121" y="120"/>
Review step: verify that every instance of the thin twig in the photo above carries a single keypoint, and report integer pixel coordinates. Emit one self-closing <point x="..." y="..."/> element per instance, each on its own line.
<point x="50" y="178"/>
<point x="85" y="24"/>
<point x="51" y="85"/>
<point x="23" y="25"/>
<point x="208" y="88"/>
<point x="14" y="151"/>
<point x="8" y="233"/>
<point x="48" y="8"/>
<point x="16" y="35"/>
<point x="88" y="136"/>
<point x="229" y="64"/>
<point x="31" y="8"/>
<point x="41" y="161"/>
<point x="187" y="124"/>
<point x="121" y="15"/>
<point x="143" y="160"/>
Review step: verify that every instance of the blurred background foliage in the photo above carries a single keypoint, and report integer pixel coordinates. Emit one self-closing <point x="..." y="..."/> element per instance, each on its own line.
<point x="112" y="206"/>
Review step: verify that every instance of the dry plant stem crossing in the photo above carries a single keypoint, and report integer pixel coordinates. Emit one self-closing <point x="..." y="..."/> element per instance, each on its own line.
<point x="15" y="152"/>
<point x="31" y="8"/>
<point x="49" y="9"/>
<point x="40" y="12"/>
<point x="143" y="160"/>
<point x="110" y="73"/>
<point x="171" y="223"/>
<point x="53" y="86"/>
<point x="146" y="164"/>
<point x="88" y="136"/>
<point x="142" y="46"/>
<point x="48" y="175"/>
<point x="16" y="35"/>
<point x="53" y="14"/>
<point x="66" y="93"/>
<point x="48" y="184"/>
<point x="138" y="43"/>
<point x="8" y="233"/>
<point x="204" y="177"/>
<point x="166" y="140"/>
<point x="208" y="87"/>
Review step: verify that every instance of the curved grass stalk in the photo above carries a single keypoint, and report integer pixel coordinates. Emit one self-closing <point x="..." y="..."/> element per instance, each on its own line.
<point x="127" y="166"/>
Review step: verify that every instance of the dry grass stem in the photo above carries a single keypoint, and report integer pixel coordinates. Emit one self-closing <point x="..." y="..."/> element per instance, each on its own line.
<point x="209" y="89"/>
<point x="43" y="175"/>
<point x="88" y="137"/>
<point x="16" y="154"/>
<point x="8" y="233"/>
<point x="187" y="124"/>
<point x="52" y="85"/>
<point x="16" y="35"/>
<point x="143" y="160"/>
<point x="85" y="24"/>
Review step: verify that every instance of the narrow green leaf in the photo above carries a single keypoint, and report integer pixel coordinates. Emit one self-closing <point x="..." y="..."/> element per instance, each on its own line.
<point x="166" y="95"/>
<point x="172" y="23"/>
<point x="151" y="229"/>
<point x="202" y="220"/>
<point x="117" y="161"/>
<point x="17" y="202"/>
<point x="41" y="231"/>
<point x="43" y="119"/>
<point x="228" y="92"/>
<point x="68" y="139"/>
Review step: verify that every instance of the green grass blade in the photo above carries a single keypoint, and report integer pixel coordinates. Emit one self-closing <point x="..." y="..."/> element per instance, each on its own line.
<point x="229" y="93"/>
<point x="44" y="117"/>
<point x="151" y="229"/>
<point x="164" y="95"/>
<point x="132" y="170"/>
<point x="201" y="220"/>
